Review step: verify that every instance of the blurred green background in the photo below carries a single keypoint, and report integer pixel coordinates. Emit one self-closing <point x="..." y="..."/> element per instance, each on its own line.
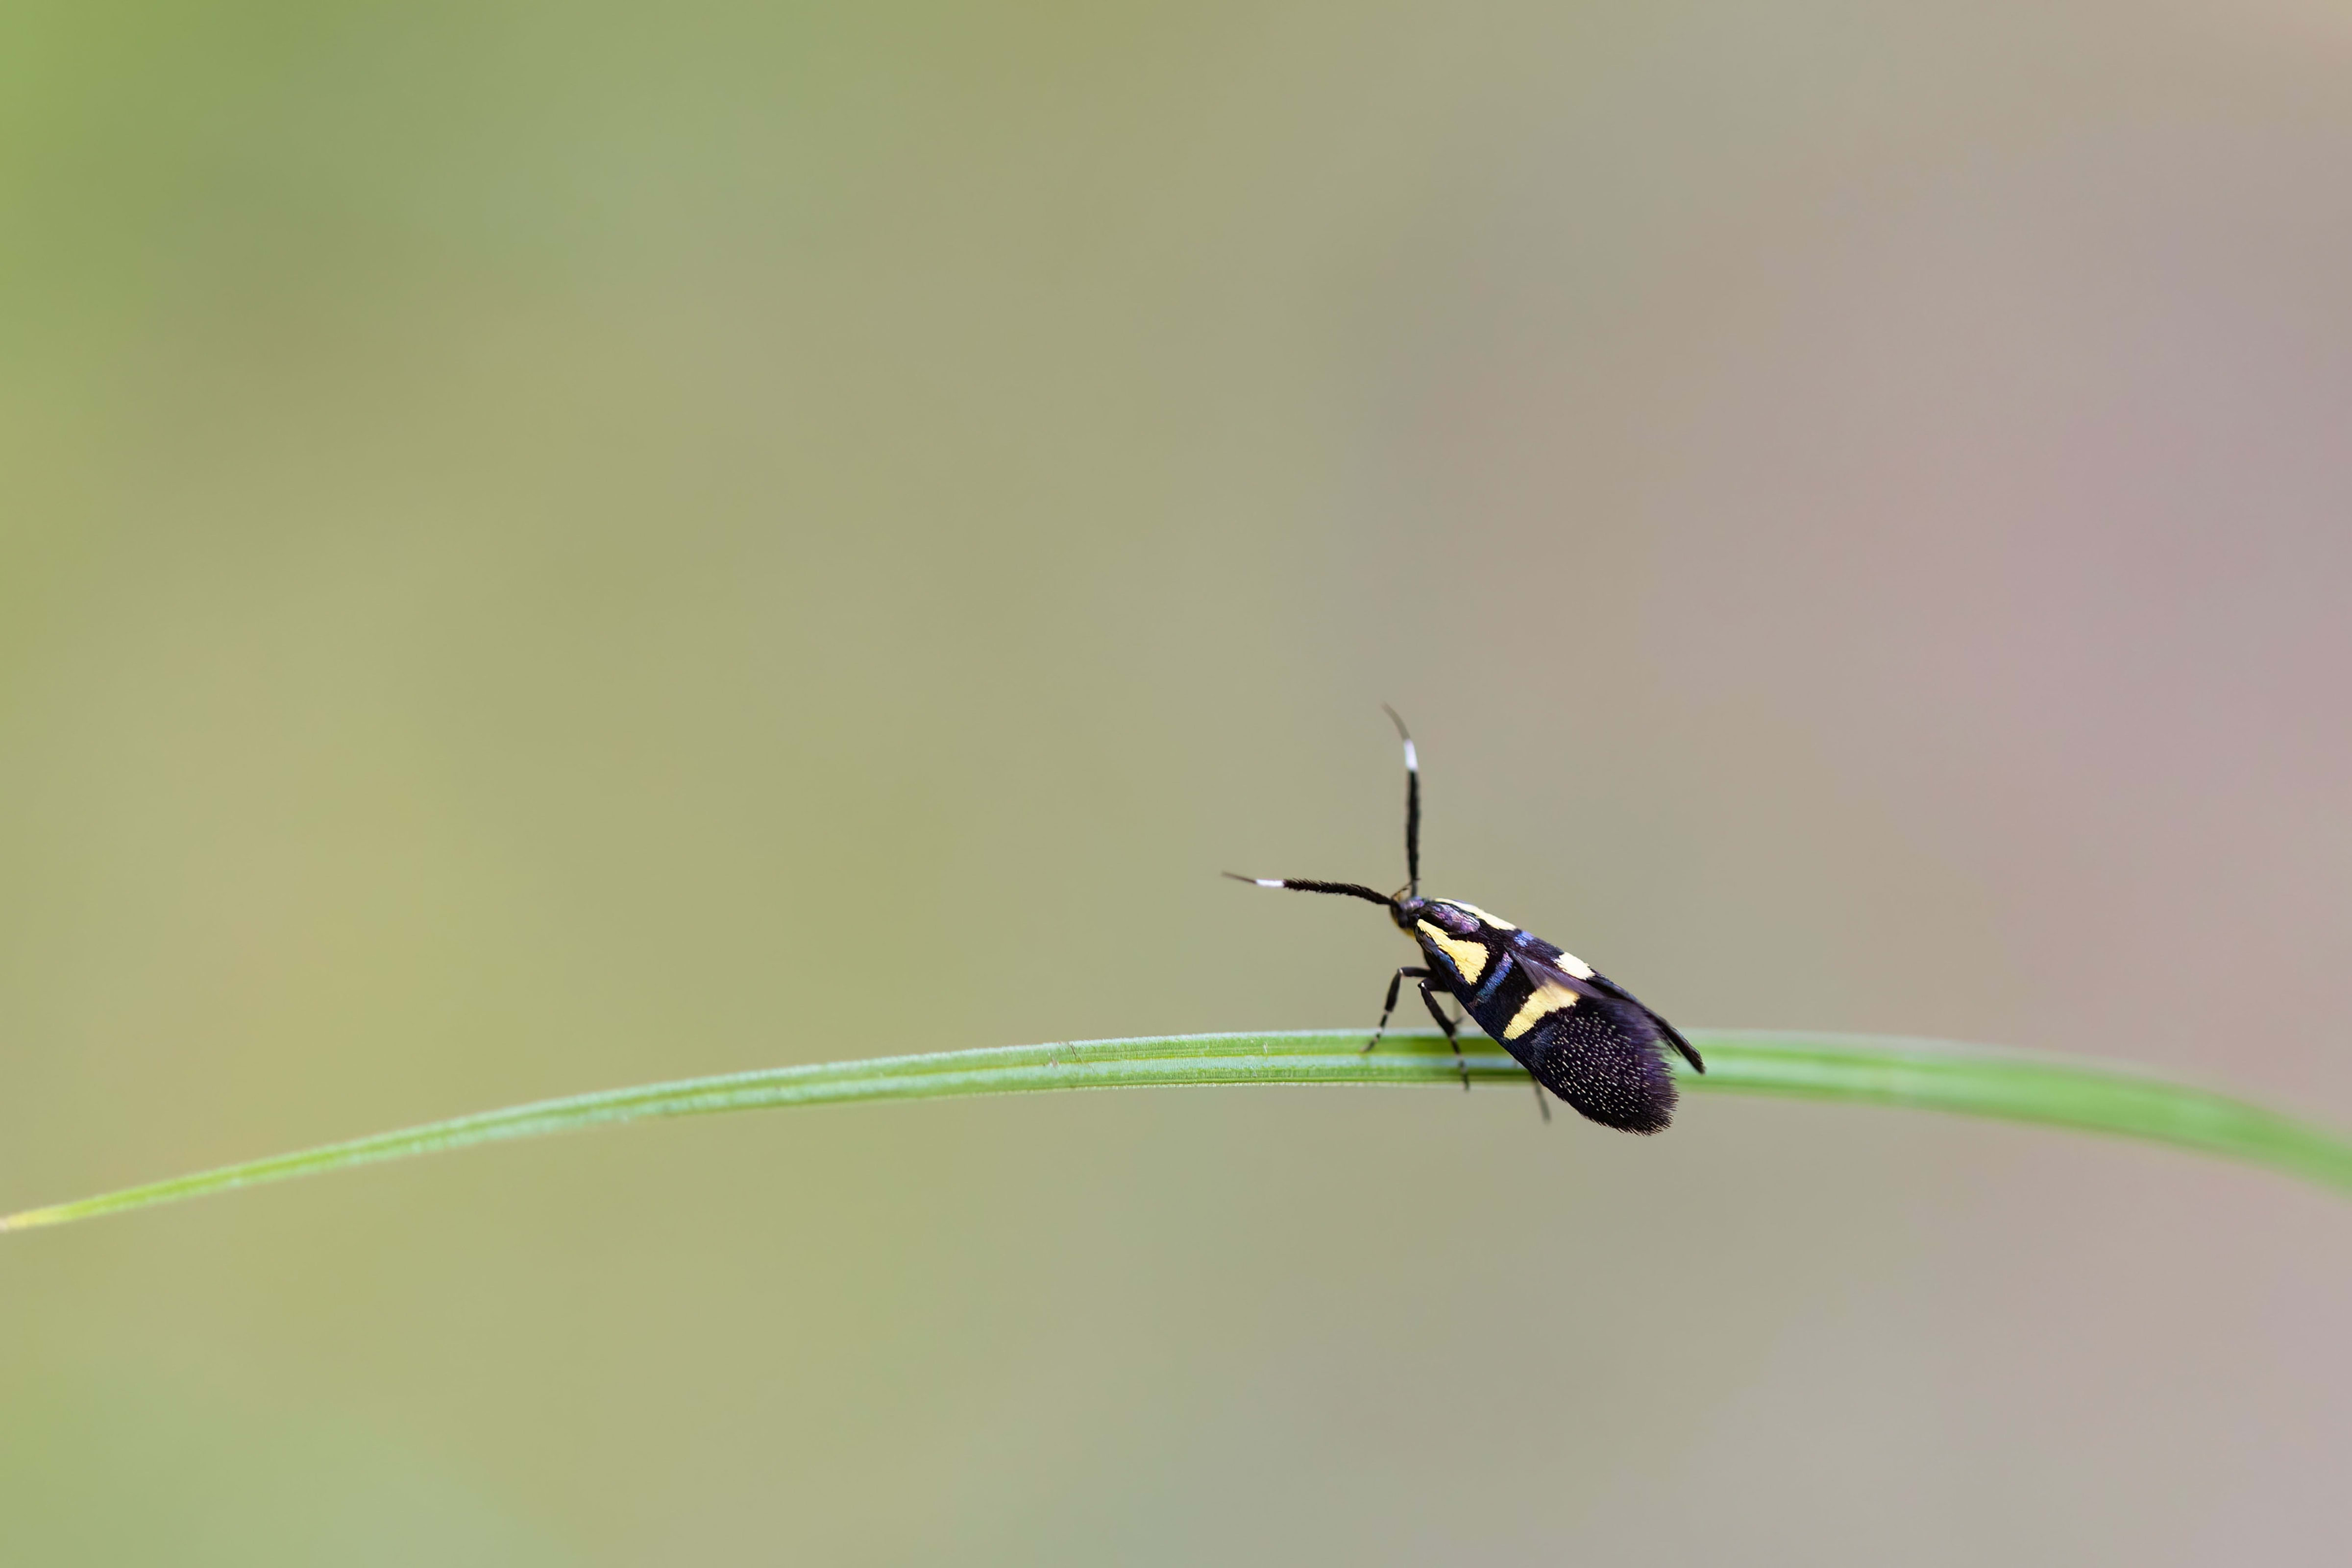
<point x="544" y="547"/>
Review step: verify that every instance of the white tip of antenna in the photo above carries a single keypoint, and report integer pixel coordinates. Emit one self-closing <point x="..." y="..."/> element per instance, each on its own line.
<point x="1267" y="881"/>
<point x="1412" y="758"/>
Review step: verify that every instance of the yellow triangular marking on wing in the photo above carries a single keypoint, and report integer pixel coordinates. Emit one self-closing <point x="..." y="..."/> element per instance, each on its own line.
<point x="1470" y="958"/>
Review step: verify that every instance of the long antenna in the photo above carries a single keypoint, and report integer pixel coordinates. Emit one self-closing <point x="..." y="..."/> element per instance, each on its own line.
<point x="1300" y="884"/>
<point x="1411" y="801"/>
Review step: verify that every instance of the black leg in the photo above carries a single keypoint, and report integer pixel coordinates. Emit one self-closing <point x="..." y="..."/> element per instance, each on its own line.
<point x="1390" y="1005"/>
<point x="1542" y="1105"/>
<point x="1429" y="1000"/>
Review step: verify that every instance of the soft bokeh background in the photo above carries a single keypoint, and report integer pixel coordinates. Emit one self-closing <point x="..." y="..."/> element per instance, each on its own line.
<point x="543" y="547"/>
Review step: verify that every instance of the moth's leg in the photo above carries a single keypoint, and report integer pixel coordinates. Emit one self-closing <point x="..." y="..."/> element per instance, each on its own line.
<point x="1390" y="1005"/>
<point x="1542" y="1105"/>
<point x="1429" y="1000"/>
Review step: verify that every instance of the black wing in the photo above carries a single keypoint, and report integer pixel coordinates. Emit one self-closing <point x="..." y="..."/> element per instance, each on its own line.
<point x="1540" y="968"/>
<point x="1602" y="1053"/>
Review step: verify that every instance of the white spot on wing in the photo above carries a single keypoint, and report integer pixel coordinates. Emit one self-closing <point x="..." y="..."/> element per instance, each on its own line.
<point x="1573" y="964"/>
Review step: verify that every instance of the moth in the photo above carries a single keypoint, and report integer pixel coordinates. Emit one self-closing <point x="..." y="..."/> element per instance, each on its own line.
<point x="1578" y="1033"/>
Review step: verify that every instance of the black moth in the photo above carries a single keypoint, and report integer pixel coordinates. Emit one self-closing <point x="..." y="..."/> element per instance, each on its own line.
<point x="1577" y="1033"/>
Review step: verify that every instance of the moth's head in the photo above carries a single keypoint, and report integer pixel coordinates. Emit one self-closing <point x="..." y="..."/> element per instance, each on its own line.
<point x="1410" y="911"/>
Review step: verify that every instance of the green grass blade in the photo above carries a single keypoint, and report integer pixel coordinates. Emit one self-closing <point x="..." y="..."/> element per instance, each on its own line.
<point x="1926" y="1074"/>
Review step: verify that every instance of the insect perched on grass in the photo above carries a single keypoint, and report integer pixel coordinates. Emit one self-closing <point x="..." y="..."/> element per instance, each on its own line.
<point x="1577" y="1033"/>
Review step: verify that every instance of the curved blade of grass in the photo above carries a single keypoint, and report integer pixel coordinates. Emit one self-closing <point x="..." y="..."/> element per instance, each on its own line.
<point x="2023" y="1086"/>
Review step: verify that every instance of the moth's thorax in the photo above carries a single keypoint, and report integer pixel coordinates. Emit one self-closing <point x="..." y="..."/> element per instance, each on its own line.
<point x="1450" y="916"/>
<point x="1461" y="939"/>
